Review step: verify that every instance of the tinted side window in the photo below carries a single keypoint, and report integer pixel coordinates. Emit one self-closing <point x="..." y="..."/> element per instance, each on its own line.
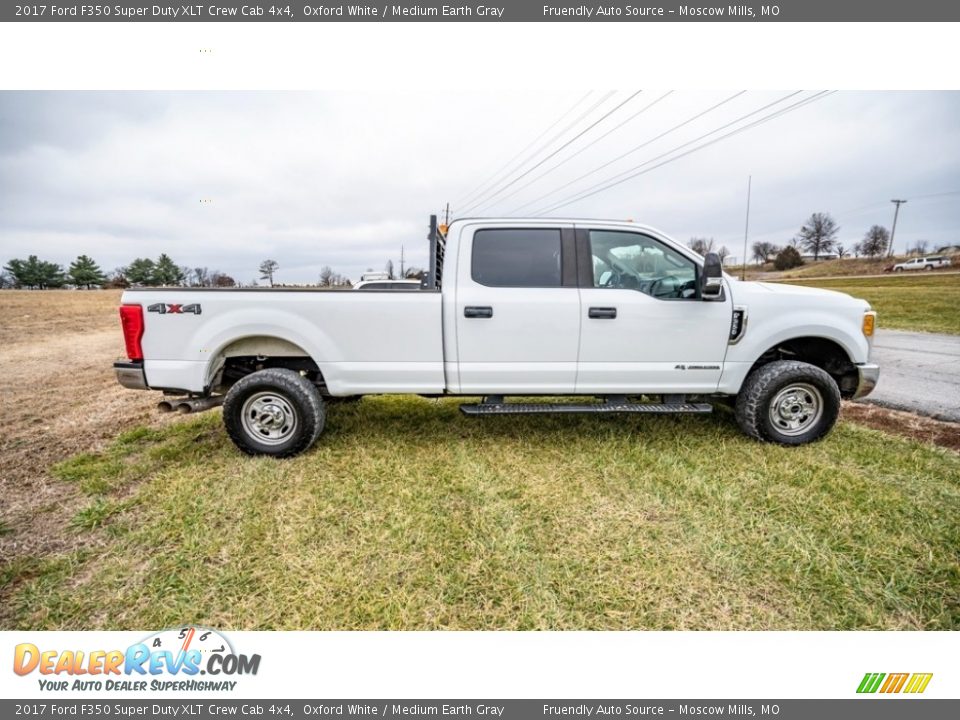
<point x="516" y="258"/>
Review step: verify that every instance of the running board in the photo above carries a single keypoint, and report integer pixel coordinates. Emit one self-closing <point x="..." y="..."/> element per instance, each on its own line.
<point x="503" y="408"/>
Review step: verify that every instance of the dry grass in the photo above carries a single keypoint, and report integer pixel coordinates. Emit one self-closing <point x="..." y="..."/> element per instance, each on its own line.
<point x="60" y="398"/>
<point x="408" y="515"/>
<point x="925" y="302"/>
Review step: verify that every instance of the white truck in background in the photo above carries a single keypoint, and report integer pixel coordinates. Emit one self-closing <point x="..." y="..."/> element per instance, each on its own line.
<point x="616" y="313"/>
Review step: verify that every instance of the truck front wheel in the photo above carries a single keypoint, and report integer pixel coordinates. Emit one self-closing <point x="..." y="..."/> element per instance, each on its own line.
<point x="788" y="402"/>
<point x="274" y="412"/>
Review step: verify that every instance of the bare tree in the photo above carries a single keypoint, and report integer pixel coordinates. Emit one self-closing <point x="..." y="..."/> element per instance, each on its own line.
<point x="700" y="245"/>
<point x="724" y="253"/>
<point x="267" y="269"/>
<point x="819" y="234"/>
<point x="326" y="276"/>
<point x="921" y="247"/>
<point x="875" y="241"/>
<point x="762" y="251"/>
<point x="414" y="273"/>
<point x="220" y="280"/>
<point x="842" y="252"/>
<point x="201" y="277"/>
<point x="389" y="270"/>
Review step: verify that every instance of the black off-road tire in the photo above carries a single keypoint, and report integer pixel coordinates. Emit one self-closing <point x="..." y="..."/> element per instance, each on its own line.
<point x="772" y="384"/>
<point x="275" y="412"/>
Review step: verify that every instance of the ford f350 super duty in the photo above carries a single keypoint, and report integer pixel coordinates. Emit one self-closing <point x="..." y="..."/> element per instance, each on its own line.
<point x="615" y="313"/>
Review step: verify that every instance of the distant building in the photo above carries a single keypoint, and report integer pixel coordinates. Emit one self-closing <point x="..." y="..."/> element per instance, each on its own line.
<point x="821" y="256"/>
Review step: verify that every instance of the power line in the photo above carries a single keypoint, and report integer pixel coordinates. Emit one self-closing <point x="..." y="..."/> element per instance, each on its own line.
<point x="606" y="185"/>
<point x="633" y="150"/>
<point x="934" y="195"/>
<point x="484" y="196"/>
<point x="512" y="168"/>
<point x="585" y="147"/>
<point x="701" y="137"/>
<point x="529" y="145"/>
<point x="565" y="145"/>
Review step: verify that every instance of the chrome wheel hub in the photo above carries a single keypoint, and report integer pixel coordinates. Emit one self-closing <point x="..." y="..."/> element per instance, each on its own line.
<point x="796" y="408"/>
<point x="269" y="418"/>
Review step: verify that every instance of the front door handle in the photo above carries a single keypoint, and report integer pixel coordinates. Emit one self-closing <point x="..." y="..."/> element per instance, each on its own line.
<point x="478" y="311"/>
<point x="602" y="313"/>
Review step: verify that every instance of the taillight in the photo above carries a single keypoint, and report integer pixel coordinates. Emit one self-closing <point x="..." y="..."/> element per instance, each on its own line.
<point x="131" y="318"/>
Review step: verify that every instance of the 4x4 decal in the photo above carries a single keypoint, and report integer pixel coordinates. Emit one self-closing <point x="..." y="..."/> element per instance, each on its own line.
<point x="173" y="308"/>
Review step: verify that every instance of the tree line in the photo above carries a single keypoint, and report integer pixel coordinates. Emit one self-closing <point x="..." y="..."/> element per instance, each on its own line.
<point x="818" y="236"/>
<point x="84" y="272"/>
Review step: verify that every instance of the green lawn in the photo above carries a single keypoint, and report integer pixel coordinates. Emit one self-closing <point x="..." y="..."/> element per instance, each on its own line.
<point x="928" y="301"/>
<point x="407" y="515"/>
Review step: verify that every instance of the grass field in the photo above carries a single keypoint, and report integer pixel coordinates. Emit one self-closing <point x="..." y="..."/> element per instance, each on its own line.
<point x="821" y="268"/>
<point x="927" y="302"/>
<point x="408" y="515"/>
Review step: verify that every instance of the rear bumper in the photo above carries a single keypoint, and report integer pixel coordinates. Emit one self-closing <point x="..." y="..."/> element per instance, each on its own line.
<point x="867" y="376"/>
<point x="130" y="374"/>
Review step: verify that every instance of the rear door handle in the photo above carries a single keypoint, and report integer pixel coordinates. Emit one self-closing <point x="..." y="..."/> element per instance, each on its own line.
<point x="478" y="311"/>
<point x="602" y="313"/>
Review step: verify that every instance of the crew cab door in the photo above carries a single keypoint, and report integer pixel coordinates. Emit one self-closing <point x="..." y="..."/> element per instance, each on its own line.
<point x="517" y="309"/>
<point x="644" y="326"/>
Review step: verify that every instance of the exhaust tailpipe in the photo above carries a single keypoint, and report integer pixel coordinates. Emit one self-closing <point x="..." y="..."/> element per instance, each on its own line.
<point x="195" y="405"/>
<point x="188" y="405"/>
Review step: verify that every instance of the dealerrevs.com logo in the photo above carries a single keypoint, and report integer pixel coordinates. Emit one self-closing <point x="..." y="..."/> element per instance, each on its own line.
<point x="890" y="683"/>
<point x="168" y="660"/>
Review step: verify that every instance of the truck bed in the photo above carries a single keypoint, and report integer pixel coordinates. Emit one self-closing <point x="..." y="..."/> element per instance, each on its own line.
<point x="364" y="342"/>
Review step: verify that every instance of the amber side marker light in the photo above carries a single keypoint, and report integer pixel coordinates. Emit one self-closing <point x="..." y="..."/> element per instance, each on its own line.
<point x="869" y="323"/>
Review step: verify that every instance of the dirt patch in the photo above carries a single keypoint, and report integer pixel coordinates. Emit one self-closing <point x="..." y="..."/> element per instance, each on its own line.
<point x="905" y="424"/>
<point x="60" y="398"/>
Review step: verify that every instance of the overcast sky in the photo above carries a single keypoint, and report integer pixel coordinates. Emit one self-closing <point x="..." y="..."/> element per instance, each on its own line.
<point x="313" y="179"/>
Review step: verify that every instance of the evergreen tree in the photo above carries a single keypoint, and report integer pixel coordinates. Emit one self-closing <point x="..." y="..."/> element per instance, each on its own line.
<point x="140" y="272"/>
<point x="166" y="272"/>
<point x="84" y="272"/>
<point x="35" y="273"/>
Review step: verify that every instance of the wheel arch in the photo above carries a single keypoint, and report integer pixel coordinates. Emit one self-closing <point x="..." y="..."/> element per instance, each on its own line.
<point x="244" y="354"/>
<point x="826" y="353"/>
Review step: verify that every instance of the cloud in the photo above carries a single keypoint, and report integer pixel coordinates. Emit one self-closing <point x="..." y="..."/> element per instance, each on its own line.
<point x="345" y="179"/>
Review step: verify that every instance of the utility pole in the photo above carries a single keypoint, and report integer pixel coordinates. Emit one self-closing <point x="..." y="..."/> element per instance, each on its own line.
<point x="446" y="216"/>
<point x="746" y="231"/>
<point x="893" y="230"/>
<point x="402" y="275"/>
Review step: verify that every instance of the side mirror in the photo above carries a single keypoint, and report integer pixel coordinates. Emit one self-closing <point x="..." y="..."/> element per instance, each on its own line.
<point x="711" y="279"/>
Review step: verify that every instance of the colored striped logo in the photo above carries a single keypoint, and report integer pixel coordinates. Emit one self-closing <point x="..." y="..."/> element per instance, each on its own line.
<point x="894" y="682"/>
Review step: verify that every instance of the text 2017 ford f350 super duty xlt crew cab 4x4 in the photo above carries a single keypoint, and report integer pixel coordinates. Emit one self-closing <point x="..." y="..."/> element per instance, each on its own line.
<point x="612" y="311"/>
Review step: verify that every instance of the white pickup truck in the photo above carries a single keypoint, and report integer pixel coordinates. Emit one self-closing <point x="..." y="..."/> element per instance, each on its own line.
<point x="615" y="313"/>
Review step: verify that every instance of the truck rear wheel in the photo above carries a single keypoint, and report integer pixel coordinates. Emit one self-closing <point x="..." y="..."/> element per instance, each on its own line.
<point x="274" y="412"/>
<point x="788" y="402"/>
